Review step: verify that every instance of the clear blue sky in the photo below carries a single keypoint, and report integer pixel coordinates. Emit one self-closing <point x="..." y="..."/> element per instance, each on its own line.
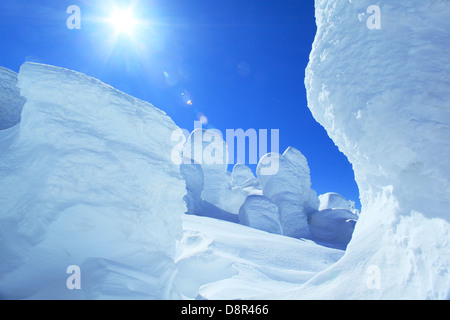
<point x="240" y="62"/>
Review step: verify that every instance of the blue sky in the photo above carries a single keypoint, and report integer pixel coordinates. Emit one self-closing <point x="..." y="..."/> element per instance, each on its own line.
<point x="240" y="62"/>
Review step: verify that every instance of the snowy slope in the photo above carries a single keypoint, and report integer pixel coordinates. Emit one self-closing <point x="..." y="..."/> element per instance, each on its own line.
<point x="11" y="102"/>
<point x="86" y="179"/>
<point x="383" y="97"/>
<point x="222" y="260"/>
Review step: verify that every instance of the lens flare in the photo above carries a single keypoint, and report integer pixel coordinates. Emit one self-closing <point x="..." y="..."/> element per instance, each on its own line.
<point x="123" y="21"/>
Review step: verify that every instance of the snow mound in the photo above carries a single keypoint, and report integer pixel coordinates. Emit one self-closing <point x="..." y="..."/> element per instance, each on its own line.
<point x="11" y="103"/>
<point x="221" y="260"/>
<point x="87" y="173"/>
<point x="260" y="213"/>
<point x="382" y="95"/>
<point x="290" y="189"/>
<point x="242" y="177"/>
<point x="208" y="149"/>
<point x="205" y="169"/>
<point x="333" y="226"/>
<point x="332" y="200"/>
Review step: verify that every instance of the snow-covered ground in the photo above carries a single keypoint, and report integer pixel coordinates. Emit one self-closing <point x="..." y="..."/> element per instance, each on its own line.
<point x="87" y="180"/>
<point x="223" y="260"/>
<point x="86" y="174"/>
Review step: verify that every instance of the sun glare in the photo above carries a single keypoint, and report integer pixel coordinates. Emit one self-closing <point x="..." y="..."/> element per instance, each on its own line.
<point x="123" y="21"/>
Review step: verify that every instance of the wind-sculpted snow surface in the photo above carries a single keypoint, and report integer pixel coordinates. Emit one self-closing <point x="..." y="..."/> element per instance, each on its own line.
<point x="207" y="148"/>
<point x="86" y="175"/>
<point x="290" y="189"/>
<point x="383" y="97"/>
<point x="332" y="200"/>
<point x="11" y="102"/>
<point x="260" y="213"/>
<point x="333" y="226"/>
<point x="192" y="173"/>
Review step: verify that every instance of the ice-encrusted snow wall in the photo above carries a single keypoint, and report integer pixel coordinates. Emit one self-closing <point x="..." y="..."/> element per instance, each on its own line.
<point x="86" y="179"/>
<point x="11" y="102"/>
<point x="383" y="96"/>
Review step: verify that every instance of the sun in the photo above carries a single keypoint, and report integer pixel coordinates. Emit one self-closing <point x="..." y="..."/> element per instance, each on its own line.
<point x="123" y="21"/>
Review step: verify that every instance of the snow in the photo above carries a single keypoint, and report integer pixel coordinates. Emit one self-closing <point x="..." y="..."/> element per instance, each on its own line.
<point x="87" y="179"/>
<point x="383" y="98"/>
<point x="107" y="279"/>
<point x="222" y="260"/>
<point x="207" y="148"/>
<point x="290" y="189"/>
<point x="86" y="174"/>
<point x="242" y="184"/>
<point x="192" y="173"/>
<point x="260" y="213"/>
<point x="11" y="102"/>
<point x="332" y="200"/>
<point x="333" y="226"/>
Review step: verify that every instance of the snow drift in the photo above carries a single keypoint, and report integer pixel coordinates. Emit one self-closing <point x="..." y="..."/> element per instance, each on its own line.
<point x="87" y="174"/>
<point x="383" y="95"/>
<point x="11" y="102"/>
<point x="222" y="260"/>
<point x="87" y="179"/>
<point x="260" y="213"/>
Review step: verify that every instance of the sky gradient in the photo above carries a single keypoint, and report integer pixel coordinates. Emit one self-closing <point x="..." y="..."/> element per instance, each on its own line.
<point x="238" y="64"/>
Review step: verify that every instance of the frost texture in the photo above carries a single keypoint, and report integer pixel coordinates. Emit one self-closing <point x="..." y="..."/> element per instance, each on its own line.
<point x="11" y="103"/>
<point x="260" y="213"/>
<point x="242" y="184"/>
<point x="333" y="226"/>
<point x="207" y="148"/>
<point x="332" y="200"/>
<point x="193" y="175"/>
<point x="382" y="95"/>
<point x="290" y="189"/>
<point x="87" y="173"/>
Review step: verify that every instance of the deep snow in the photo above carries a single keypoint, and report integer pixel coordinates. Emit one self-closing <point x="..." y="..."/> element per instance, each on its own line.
<point x="383" y="97"/>
<point x="87" y="179"/>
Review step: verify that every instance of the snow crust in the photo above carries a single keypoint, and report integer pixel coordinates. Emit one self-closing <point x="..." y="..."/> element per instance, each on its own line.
<point x="382" y="95"/>
<point x="86" y="178"/>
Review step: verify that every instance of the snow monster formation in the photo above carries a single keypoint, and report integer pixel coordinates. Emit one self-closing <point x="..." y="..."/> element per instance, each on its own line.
<point x="86" y="179"/>
<point x="290" y="189"/>
<point x="11" y="103"/>
<point x="378" y="80"/>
